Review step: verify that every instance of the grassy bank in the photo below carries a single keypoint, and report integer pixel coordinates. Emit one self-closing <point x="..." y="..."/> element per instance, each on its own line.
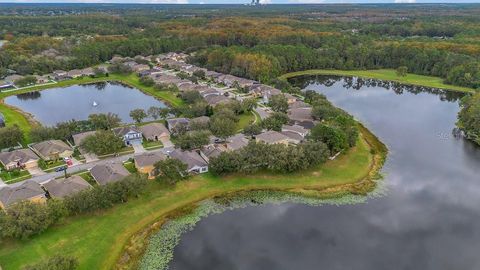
<point x="99" y="240"/>
<point x="384" y="74"/>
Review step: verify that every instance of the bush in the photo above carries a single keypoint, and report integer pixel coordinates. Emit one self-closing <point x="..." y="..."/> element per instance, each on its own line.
<point x="58" y="262"/>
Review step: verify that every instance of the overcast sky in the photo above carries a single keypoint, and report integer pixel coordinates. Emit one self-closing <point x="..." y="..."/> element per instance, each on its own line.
<point x="239" y="1"/>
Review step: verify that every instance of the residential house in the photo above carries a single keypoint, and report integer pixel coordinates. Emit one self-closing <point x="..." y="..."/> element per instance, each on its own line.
<point x="155" y="132"/>
<point x="200" y="121"/>
<point x="214" y="100"/>
<point x="209" y="92"/>
<point x="64" y="187"/>
<point x="130" y="135"/>
<point x="52" y="149"/>
<point x="5" y="85"/>
<point x="290" y="98"/>
<point x="236" y="142"/>
<point x="28" y="190"/>
<point x="140" y="67"/>
<point x="258" y="90"/>
<point x="300" y="130"/>
<point x="300" y="114"/>
<point x="187" y="86"/>
<point x="264" y="113"/>
<point x="12" y="79"/>
<point x="174" y="125"/>
<point x="42" y="79"/>
<point x="212" y="74"/>
<point x="298" y="104"/>
<point x="195" y="163"/>
<point x="60" y="75"/>
<point x="108" y="173"/>
<point x="75" y="73"/>
<point x="22" y="158"/>
<point x="273" y="137"/>
<point x="79" y="137"/>
<point x="145" y="163"/>
<point x="2" y="121"/>
<point x="88" y="72"/>
<point x="294" y="137"/>
<point x="211" y="150"/>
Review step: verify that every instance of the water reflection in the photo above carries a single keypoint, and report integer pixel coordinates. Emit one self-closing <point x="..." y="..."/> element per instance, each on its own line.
<point x="430" y="218"/>
<point x="77" y="102"/>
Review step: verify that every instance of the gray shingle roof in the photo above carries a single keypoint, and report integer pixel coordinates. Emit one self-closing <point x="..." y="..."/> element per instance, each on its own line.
<point x="61" y="188"/>
<point x="271" y="137"/>
<point x="25" y="191"/>
<point x="153" y="129"/>
<point x="47" y="148"/>
<point x="22" y="156"/>
<point x="122" y="131"/>
<point x="149" y="159"/>
<point x="108" y="173"/>
<point x="191" y="158"/>
<point x="78" y="138"/>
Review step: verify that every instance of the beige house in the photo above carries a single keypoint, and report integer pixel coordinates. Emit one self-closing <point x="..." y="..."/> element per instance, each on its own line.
<point x="145" y="163"/>
<point x="23" y="158"/>
<point x="64" y="187"/>
<point x="272" y="137"/>
<point x="28" y="190"/>
<point x="155" y="132"/>
<point x="52" y="150"/>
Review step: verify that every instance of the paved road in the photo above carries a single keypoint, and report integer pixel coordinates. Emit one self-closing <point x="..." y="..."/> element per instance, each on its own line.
<point x="83" y="167"/>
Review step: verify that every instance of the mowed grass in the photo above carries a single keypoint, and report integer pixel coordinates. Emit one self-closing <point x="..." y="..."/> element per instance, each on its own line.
<point x="15" y="117"/>
<point x="387" y="75"/>
<point x="98" y="240"/>
<point x="245" y="120"/>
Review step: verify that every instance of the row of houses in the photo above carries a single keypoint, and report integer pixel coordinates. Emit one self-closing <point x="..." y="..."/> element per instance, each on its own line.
<point x="62" y="187"/>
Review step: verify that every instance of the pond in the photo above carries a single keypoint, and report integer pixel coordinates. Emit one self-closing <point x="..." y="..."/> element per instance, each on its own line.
<point x="428" y="218"/>
<point x="79" y="101"/>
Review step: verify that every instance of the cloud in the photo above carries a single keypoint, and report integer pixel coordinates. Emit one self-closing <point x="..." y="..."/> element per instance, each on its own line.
<point x="405" y="1"/>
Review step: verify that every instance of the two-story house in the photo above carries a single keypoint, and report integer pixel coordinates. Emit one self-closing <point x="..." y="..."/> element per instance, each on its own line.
<point x="130" y="135"/>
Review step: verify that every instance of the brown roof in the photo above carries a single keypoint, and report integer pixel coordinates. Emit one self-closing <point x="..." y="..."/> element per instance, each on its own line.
<point x="300" y="114"/>
<point x="191" y="158"/>
<point x="47" y="148"/>
<point x="154" y="129"/>
<point x="61" y="188"/>
<point x="236" y="142"/>
<point x="271" y="137"/>
<point x="108" y="173"/>
<point x="22" y="156"/>
<point x="213" y="150"/>
<point x="216" y="99"/>
<point x="78" y="138"/>
<point x="25" y="191"/>
<point x="149" y="159"/>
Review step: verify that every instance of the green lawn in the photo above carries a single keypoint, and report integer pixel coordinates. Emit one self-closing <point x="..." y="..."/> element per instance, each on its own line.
<point x="152" y="144"/>
<point x="14" y="117"/>
<point x="245" y="120"/>
<point x="130" y="166"/>
<point x="384" y="74"/>
<point x="13" y="177"/>
<point x="98" y="240"/>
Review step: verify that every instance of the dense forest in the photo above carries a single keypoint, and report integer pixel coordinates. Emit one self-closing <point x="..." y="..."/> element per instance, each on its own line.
<point x="256" y="42"/>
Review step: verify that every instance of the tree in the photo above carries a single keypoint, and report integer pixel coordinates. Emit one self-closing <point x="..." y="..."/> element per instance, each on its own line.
<point x="138" y="115"/>
<point x="58" y="262"/>
<point x="154" y="112"/>
<point x="402" y="71"/>
<point x="222" y="127"/>
<point x="279" y="103"/>
<point x="10" y="136"/>
<point x="164" y="112"/>
<point x="24" y="219"/>
<point x="119" y="68"/>
<point x="25" y="81"/>
<point x="199" y="74"/>
<point x="334" y="138"/>
<point x="171" y="170"/>
<point x="103" y="142"/>
<point x="104" y="121"/>
<point x="147" y="81"/>
<point x="191" y="97"/>
<point x="41" y="133"/>
<point x="249" y="104"/>
<point x="275" y="121"/>
<point x="469" y="117"/>
<point x="252" y="130"/>
<point x="193" y="139"/>
<point x="99" y="72"/>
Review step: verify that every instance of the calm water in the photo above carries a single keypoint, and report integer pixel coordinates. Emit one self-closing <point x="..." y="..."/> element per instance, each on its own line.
<point x="76" y="102"/>
<point x="429" y="218"/>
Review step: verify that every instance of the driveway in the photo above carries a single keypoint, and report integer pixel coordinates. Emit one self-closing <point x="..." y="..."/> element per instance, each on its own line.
<point x="167" y="143"/>
<point x="35" y="171"/>
<point x="90" y="157"/>
<point x="138" y="147"/>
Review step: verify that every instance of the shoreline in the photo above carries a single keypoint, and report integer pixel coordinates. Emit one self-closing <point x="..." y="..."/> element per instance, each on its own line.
<point x="384" y="75"/>
<point x="135" y="247"/>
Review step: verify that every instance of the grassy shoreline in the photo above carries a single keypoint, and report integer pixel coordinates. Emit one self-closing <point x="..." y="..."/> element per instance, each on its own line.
<point x="90" y="237"/>
<point x="386" y="75"/>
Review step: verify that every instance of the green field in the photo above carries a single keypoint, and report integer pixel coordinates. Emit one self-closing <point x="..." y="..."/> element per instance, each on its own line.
<point x="98" y="240"/>
<point x="384" y="74"/>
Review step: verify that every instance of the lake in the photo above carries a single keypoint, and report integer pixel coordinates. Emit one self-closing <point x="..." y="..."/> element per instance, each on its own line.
<point x="77" y="102"/>
<point x="429" y="217"/>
